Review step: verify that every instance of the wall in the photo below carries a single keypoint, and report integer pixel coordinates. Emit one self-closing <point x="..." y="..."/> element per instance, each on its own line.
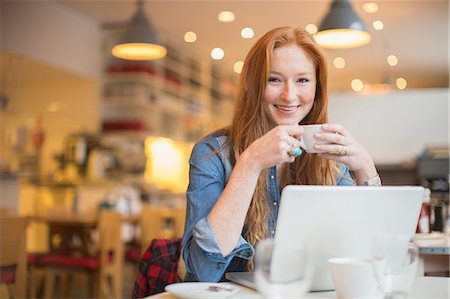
<point x="49" y="33"/>
<point x="51" y="67"/>
<point x="395" y="126"/>
<point x="65" y="102"/>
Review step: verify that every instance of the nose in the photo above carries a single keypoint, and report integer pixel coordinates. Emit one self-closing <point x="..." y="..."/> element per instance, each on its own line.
<point x="288" y="93"/>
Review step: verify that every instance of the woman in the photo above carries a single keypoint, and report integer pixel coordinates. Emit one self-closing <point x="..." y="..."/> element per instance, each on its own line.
<point x="237" y="173"/>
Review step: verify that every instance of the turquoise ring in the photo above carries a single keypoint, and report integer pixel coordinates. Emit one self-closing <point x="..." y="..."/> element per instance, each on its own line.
<point x="295" y="152"/>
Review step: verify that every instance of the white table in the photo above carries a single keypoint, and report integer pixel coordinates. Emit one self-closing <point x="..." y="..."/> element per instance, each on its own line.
<point x="423" y="288"/>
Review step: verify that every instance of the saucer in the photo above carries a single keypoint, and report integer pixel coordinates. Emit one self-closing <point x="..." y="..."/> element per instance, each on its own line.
<point x="199" y="290"/>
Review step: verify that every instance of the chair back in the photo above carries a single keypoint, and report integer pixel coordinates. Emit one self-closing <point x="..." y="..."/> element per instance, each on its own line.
<point x="109" y="230"/>
<point x="13" y="253"/>
<point x="179" y="215"/>
<point x="111" y="251"/>
<point x="154" y="224"/>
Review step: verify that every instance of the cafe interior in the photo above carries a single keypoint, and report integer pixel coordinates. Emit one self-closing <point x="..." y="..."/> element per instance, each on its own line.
<point x="95" y="141"/>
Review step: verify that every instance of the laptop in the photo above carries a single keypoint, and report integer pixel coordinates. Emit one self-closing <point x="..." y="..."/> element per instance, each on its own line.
<point x="341" y="221"/>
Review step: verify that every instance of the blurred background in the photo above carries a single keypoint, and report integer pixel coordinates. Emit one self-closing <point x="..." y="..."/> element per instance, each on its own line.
<point x="77" y="122"/>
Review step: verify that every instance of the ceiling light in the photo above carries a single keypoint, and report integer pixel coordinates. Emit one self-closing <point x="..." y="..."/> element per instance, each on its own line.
<point x="217" y="54"/>
<point x="226" y="16"/>
<point x="370" y="7"/>
<point x="401" y="83"/>
<point x="339" y="62"/>
<point x="190" y="37"/>
<point x="342" y="28"/>
<point x="237" y="67"/>
<point x="357" y="85"/>
<point x="378" y="25"/>
<point x="247" y="32"/>
<point x="392" y="60"/>
<point x="311" y="28"/>
<point x="140" y="41"/>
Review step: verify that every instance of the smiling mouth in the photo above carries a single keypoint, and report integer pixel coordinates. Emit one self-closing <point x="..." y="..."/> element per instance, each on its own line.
<point x="287" y="108"/>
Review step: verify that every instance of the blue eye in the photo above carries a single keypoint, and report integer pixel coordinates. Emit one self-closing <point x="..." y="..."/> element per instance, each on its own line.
<point x="303" y="80"/>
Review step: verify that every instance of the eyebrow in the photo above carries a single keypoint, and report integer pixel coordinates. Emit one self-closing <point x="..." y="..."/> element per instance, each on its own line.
<point x="297" y="74"/>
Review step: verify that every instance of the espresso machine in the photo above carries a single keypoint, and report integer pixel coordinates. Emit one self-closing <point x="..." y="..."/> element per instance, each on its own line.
<point x="433" y="173"/>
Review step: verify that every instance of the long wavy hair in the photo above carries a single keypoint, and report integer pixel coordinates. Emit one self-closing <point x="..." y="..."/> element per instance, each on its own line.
<point x="251" y="122"/>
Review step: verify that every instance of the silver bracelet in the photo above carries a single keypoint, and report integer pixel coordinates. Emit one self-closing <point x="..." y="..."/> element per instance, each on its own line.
<point x="373" y="182"/>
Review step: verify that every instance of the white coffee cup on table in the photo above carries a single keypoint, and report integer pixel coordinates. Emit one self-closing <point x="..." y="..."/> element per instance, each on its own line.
<point x="356" y="278"/>
<point x="307" y="141"/>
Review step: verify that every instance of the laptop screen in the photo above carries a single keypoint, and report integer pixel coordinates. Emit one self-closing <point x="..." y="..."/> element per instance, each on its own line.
<point x="337" y="221"/>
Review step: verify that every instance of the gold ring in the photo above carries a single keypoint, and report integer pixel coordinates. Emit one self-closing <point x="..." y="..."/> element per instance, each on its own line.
<point x="343" y="152"/>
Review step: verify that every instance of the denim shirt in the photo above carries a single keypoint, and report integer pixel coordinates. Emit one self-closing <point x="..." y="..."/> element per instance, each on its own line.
<point x="208" y="175"/>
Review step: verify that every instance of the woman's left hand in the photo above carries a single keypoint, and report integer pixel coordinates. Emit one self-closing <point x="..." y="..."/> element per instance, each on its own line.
<point x="345" y="149"/>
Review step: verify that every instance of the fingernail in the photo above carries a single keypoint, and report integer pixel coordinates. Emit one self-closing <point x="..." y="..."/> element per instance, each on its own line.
<point x="316" y="146"/>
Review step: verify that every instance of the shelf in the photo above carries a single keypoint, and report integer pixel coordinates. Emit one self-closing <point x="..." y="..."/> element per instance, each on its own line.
<point x="131" y="76"/>
<point x="123" y="105"/>
<point x="180" y="96"/>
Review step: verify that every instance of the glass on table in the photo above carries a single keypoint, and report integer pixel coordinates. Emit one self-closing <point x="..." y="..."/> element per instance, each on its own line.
<point x="282" y="270"/>
<point x="400" y="258"/>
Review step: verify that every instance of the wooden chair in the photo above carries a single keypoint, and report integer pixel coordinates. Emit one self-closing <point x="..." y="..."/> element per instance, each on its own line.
<point x="156" y="222"/>
<point x="13" y="262"/>
<point x="36" y="273"/>
<point x="179" y="216"/>
<point x="106" y="266"/>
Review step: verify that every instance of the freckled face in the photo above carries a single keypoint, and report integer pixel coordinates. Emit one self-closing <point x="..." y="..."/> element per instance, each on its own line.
<point x="291" y="86"/>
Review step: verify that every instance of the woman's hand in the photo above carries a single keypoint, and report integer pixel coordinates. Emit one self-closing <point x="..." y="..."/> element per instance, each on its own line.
<point x="227" y="217"/>
<point x="273" y="148"/>
<point x="345" y="149"/>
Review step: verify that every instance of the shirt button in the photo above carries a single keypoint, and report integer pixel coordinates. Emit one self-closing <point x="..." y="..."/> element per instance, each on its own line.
<point x="272" y="177"/>
<point x="275" y="203"/>
<point x="272" y="232"/>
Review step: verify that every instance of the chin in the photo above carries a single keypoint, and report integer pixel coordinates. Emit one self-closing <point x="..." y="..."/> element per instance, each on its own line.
<point x="288" y="121"/>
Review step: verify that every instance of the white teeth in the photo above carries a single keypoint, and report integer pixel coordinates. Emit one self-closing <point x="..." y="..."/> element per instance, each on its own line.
<point x="286" y="108"/>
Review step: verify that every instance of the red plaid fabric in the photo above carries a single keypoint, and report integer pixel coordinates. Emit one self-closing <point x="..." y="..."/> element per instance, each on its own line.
<point x="157" y="267"/>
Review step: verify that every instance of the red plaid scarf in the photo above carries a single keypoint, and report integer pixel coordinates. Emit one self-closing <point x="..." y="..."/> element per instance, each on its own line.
<point x="157" y="267"/>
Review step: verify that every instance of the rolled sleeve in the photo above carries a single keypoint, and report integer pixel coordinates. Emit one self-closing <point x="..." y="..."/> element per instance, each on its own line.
<point x="207" y="242"/>
<point x="206" y="261"/>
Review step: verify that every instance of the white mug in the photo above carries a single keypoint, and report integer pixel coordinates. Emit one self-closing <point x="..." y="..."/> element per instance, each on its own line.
<point x="307" y="141"/>
<point x="356" y="278"/>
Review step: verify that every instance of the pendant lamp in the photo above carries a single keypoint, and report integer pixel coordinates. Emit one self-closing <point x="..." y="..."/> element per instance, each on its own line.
<point x="140" y="41"/>
<point x="342" y="28"/>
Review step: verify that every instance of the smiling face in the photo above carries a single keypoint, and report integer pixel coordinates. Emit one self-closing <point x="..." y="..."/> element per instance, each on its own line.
<point x="291" y="86"/>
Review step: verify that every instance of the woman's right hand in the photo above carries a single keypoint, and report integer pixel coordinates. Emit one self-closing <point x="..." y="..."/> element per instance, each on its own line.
<point x="273" y="148"/>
